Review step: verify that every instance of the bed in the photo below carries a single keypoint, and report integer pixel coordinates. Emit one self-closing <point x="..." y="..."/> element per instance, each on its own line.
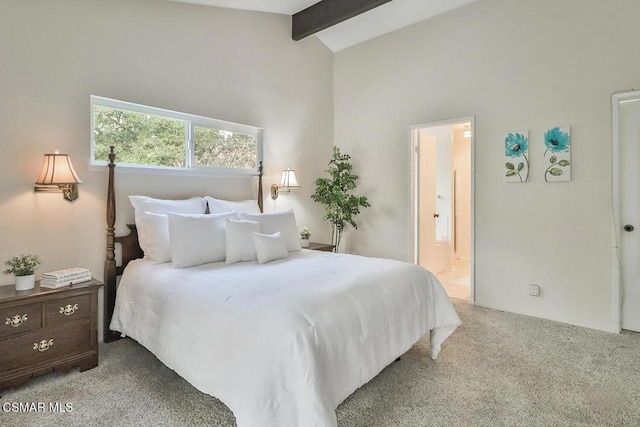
<point x="281" y="343"/>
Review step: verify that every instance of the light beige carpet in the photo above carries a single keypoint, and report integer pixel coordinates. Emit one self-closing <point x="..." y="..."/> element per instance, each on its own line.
<point x="498" y="369"/>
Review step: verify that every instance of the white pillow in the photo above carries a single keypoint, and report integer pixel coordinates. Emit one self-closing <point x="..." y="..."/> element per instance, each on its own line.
<point x="197" y="239"/>
<point x="219" y="206"/>
<point x="284" y="222"/>
<point x="269" y="247"/>
<point x="239" y="240"/>
<point x="141" y="204"/>
<point x="158" y="243"/>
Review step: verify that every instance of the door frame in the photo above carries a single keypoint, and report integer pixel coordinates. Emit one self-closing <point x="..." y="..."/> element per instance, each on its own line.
<point x="617" y="287"/>
<point x="415" y="194"/>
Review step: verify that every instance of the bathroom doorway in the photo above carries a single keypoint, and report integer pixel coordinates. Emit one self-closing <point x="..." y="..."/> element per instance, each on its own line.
<point x="442" y="203"/>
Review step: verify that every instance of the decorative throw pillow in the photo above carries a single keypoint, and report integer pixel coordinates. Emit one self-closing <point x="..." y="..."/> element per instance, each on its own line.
<point x="157" y="233"/>
<point x="269" y="247"/>
<point x="239" y="240"/>
<point x="197" y="239"/>
<point x="284" y="222"/>
<point x="141" y="204"/>
<point x="219" y="206"/>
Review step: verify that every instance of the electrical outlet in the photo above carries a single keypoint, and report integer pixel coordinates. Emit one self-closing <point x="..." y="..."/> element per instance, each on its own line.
<point x="534" y="290"/>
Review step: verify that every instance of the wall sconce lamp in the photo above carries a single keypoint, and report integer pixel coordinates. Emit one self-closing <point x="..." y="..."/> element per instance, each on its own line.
<point x="58" y="175"/>
<point x="288" y="181"/>
<point x="467" y="132"/>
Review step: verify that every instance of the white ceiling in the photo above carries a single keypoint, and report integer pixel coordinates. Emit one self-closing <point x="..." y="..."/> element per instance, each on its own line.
<point x="381" y="20"/>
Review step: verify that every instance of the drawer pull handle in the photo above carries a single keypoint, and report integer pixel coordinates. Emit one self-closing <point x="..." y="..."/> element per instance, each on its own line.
<point x="69" y="309"/>
<point x="43" y="345"/>
<point x="16" y="320"/>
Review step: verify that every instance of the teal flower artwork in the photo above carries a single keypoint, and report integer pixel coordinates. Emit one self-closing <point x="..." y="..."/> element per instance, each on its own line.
<point x="558" y="152"/>
<point x="556" y="140"/>
<point x="516" y="150"/>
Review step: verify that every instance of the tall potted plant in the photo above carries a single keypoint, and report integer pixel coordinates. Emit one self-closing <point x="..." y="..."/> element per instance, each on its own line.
<point x="335" y="193"/>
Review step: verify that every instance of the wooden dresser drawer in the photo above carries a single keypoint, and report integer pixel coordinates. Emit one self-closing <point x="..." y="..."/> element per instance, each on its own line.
<point x="20" y="319"/>
<point x="45" y="329"/>
<point x="66" y="310"/>
<point x="44" y="346"/>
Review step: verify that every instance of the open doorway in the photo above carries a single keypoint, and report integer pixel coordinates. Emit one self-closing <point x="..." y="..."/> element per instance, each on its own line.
<point x="442" y="203"/>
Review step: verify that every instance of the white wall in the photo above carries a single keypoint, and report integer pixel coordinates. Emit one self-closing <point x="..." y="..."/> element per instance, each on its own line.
<point x="232" y="65"/>
<point x="514" y="64"/>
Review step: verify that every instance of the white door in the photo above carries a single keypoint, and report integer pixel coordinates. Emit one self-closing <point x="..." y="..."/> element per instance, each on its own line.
<point x="427" y="178"/>
<point x="628" y="128"/>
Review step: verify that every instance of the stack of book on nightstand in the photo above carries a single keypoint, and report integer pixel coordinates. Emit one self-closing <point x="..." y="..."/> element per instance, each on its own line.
<point x="66" y="277"/>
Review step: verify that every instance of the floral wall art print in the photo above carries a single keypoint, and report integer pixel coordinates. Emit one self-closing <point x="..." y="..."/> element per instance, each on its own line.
<point x="557" y="155"/>
<point x="516" y="151"/>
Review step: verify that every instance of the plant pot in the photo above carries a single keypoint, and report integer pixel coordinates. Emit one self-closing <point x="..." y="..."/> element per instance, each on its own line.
<point x="304" y="243"/>
<point x="24" y="283"/>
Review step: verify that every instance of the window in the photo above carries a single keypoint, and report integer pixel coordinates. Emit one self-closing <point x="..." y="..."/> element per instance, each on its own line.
<point x="148" y="137"/>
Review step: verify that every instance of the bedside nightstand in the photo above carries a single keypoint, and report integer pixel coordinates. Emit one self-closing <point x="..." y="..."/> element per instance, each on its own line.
<point x="326" y="247"/>
<point x="46" y="329"/>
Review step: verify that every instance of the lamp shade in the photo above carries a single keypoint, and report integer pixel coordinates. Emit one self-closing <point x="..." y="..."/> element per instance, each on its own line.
<point x="289" y="179"/>
<point x="57" y="170"/>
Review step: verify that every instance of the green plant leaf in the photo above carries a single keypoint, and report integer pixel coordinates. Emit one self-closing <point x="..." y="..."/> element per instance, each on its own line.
<point x="555" y="171"/>
<point x="511" y="173"/>
<point x="553" y="159"/>
<point x="520" y="166"/>
<point x="22" y="265"/>
<point x="564" y="163"/>
<point x="509" y="166"/>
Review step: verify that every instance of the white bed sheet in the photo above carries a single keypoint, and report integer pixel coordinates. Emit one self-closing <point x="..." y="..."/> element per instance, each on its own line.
<point x="284" y="343"/>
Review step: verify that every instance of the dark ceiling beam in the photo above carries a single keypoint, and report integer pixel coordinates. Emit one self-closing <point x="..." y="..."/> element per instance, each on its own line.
<point x="327" y="13"/>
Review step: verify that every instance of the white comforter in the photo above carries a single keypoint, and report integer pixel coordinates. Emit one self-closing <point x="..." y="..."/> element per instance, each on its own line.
<point x="284" y="343"/>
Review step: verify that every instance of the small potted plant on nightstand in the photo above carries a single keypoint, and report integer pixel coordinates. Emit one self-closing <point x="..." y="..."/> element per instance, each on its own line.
<point x="24" y="268"/>
<point x="304" y="236"/>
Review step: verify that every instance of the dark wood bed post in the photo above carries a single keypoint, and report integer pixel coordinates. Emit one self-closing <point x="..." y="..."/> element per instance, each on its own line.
<point x="110" y="262"/>
<point x="260" y="202"/>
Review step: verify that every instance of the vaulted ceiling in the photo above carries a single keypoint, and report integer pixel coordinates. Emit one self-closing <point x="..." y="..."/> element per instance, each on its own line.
<point x="382" y="19"/>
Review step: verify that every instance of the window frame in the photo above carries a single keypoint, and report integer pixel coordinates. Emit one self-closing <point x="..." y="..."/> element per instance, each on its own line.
<point x="192" y="121"/>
